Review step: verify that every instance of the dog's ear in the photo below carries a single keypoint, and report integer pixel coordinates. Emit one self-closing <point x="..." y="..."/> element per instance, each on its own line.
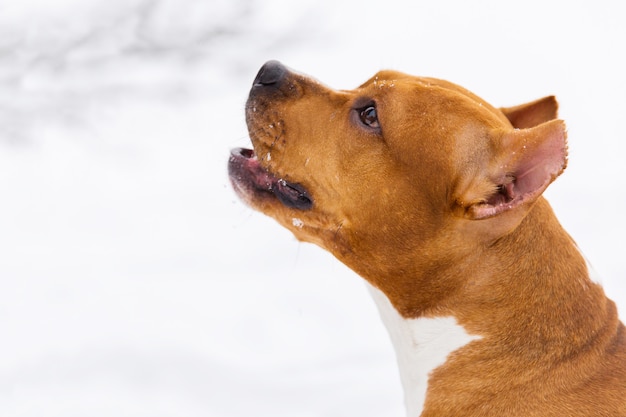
<point x="532" y="114"/>
<point x="524" y="163"/>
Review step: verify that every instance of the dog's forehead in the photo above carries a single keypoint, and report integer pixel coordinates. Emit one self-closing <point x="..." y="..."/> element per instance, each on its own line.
<point x="420" y="92"/>
<point x="387" y="80"/>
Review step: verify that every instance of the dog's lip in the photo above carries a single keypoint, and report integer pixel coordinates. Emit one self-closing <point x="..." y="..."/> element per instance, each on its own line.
<point x="243" y="165"/>
<point x="249" y="177"/>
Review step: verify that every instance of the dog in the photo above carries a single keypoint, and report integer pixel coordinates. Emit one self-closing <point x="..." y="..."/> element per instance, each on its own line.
<point x="434" y="197"/>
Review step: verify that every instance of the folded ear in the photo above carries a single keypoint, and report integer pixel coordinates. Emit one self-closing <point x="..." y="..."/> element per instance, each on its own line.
<point x="532" y="114"/>
<point x="524" y="163"/>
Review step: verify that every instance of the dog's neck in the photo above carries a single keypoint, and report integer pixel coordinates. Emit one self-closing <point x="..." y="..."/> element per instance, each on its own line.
<point x="539" y="307"/>
<point x="517" y="271"/>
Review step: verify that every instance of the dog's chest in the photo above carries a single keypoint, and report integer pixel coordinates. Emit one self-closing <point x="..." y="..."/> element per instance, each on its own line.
<point x="421" y="345"/>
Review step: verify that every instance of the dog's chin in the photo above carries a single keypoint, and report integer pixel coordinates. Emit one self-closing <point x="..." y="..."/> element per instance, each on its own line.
<point x="255" y="183"/>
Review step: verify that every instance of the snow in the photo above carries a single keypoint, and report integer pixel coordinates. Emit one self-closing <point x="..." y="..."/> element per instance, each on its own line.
<point x="133" y="282"/>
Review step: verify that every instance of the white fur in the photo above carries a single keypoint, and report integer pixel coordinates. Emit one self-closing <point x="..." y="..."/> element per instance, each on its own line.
<point x="593" y="274"/>
<point x="421" y="345"/>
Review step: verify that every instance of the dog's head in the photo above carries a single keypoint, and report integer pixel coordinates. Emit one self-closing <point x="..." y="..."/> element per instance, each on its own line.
<point x="395" y="169"/>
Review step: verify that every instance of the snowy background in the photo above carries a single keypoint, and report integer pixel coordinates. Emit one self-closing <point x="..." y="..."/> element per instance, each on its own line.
<point x="134" y="283"/>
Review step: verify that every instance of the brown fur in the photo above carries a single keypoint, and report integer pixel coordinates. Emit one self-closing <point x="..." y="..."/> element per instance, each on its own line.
<point x="409" y="208"/>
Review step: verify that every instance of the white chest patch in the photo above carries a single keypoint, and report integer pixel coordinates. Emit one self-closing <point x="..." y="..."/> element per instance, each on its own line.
<point x="421" y="345"/>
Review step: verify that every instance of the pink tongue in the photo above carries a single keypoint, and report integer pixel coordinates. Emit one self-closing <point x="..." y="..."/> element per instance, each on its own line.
<point x="261" y="177"/>
<point x="290" y="194"/>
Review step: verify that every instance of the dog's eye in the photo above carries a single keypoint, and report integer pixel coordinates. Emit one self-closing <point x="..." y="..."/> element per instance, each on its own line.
<point x="369" y="117"/>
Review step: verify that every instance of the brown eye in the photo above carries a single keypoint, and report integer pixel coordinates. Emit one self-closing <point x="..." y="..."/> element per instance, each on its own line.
<point x="369" y="117"/>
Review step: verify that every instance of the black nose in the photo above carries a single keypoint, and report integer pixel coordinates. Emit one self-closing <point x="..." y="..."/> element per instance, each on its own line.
<point x="270" y="74"/>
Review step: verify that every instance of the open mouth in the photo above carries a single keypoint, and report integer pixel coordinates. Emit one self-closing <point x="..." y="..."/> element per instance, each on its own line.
<point x="250" y="178"/>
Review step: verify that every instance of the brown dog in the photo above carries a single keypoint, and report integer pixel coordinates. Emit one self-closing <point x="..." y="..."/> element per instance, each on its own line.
<point x="434" y="197"/>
